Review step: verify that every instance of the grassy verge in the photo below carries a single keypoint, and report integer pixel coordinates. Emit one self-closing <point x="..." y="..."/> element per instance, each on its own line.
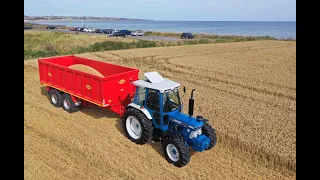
<point x="46" y="43"/>
<point x="215" y="38"/>
<point x="43" y="44"/>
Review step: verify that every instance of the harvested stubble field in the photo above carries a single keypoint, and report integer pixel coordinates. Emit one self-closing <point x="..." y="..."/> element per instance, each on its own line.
<point x="247" y="90"/>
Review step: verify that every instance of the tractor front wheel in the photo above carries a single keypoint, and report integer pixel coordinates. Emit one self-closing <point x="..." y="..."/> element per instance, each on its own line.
<point x="138" y="127"/>
<point x="176" y="151"/>
<point x="210" y="133"/>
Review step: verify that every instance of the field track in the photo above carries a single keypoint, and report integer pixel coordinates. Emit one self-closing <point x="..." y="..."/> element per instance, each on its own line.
<point x="247" y="90"/>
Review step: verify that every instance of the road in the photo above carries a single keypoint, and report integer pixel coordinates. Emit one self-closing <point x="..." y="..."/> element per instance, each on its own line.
<point x="150" y="38"/>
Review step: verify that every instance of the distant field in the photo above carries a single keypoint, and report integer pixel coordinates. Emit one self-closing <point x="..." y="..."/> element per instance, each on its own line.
<point x="247" y="91"/>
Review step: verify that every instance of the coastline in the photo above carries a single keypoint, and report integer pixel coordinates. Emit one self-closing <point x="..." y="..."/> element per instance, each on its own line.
<point x="38" y="25"/>
<point x="172" y="34"/>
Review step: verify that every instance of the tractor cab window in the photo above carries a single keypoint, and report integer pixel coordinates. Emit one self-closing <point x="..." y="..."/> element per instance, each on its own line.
<point x="142" y="95"/>
<point x="171" y="100"/>
<point x="153" y="100"/>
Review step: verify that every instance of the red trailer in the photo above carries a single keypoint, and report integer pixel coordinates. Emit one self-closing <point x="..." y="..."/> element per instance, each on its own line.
<point x="71" y="87"/>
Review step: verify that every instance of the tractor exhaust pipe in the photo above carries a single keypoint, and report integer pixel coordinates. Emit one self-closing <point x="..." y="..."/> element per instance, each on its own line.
<point x="191" y="104"/>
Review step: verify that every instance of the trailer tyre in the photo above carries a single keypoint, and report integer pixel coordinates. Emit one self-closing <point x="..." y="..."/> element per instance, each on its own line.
<point x="138" y="127"/>
<point x="210" y="133"/>
<point x="176" y="151"/>
<point x="68" y="104"/>
<point x="55" y="98"/>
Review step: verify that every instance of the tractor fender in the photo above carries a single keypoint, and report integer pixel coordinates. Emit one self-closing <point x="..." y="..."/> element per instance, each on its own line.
<point x="143" y="110"/>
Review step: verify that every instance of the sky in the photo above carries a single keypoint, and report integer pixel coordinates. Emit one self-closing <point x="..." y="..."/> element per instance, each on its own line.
<point x="171" y="10"/>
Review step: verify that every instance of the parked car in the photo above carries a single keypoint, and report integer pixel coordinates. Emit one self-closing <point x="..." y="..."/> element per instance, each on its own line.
<point x="126" y="32"/>
<point x="97" y="31"/>
<point x="72" y="28"/>
<point x="187" y="36"/>
<point x="119" y="33"/>
<point x="109" y="31"/>
<point x="104" y="30"/>
<point x="79" y="29"/>
<point x="51" y="27"/>
<point x="89" y="29"/>
<point x="137" y="33"/>
<point x="85" y="29"/>
<point x="27" y="27"/>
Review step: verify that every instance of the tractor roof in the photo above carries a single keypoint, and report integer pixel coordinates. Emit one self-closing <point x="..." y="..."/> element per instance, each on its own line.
<point x="156" y="81"/>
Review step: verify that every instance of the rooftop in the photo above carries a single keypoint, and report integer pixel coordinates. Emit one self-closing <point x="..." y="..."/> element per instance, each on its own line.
<point x="157" y="82"/>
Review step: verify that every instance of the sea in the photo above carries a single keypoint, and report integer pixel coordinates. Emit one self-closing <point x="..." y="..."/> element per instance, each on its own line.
<point x="276" y="29"/>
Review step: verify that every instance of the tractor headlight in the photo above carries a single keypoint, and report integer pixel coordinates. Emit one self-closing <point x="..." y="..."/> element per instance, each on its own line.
<point x="194" y="134"/>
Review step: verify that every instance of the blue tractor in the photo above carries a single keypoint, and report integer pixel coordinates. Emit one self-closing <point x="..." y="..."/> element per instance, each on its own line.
<point x="155" y="114"/>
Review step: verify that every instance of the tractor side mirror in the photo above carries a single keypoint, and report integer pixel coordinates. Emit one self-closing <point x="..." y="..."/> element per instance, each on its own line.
<point x="184" y="89"/>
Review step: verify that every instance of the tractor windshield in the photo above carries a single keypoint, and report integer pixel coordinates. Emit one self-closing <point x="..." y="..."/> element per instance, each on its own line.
<point x="171" y="100"/>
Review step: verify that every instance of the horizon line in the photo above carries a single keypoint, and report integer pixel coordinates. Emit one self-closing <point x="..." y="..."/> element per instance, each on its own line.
<point x="170" y="20"/>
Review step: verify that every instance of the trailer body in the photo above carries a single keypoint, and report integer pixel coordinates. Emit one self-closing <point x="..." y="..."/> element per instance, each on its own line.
<point x="113" y="91"/>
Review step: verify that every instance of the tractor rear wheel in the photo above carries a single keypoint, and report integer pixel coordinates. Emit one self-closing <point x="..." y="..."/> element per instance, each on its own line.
<point x="138" y="127"/>
<point x="176" y="151"/>
<point x="55" y="98"/>
<point x="210" y="133"/>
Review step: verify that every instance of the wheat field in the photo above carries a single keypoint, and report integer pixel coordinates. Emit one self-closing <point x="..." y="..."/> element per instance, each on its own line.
<point x="246" y="90"/>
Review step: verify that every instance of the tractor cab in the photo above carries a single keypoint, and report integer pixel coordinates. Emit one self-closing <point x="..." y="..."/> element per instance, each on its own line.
<point x="159" y="96"/>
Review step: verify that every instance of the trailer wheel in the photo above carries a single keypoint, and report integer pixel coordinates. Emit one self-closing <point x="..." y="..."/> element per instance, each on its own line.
<point x="176" y="151"/>
<point x="138" y="127"/>
<point x="68" y="104"/>
<point x="55" y="98"/>
<point x="210" y="133"/>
